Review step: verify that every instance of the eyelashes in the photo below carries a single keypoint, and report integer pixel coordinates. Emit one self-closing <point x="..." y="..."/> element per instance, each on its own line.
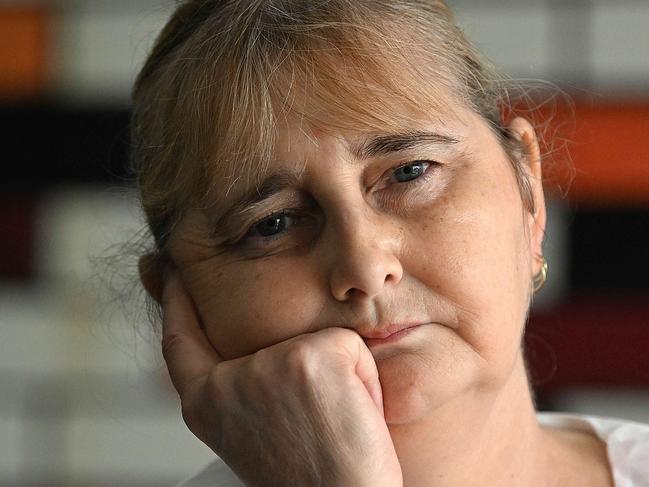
<point x="277" y="224"/>
<point x="273" y="224"/>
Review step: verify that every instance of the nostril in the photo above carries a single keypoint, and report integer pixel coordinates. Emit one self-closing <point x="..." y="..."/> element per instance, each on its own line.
<point x="348" y="295"/>
<point x="353" y="292"/>
<point x="392" y="278"/>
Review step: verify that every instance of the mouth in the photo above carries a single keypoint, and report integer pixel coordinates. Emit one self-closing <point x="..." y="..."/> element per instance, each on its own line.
<point x="390" y="336"/>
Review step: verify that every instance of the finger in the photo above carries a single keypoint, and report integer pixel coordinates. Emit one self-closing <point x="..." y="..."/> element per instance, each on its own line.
<point x="364" y="364"/>
<point x="187" y="352"/>
<point x="369" y="374"/>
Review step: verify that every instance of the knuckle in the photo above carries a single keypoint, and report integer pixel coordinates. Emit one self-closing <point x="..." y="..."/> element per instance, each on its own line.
<point x="262" y="358"/>
<point x="302" y="358"/>
<point x="260" y="366"/>
<point x="342" y="334"/>
<point x="216" y="386"/>
<point x="344" y="339"/>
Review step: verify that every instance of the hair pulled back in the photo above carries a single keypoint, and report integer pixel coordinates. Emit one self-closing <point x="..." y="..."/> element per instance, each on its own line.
<point x="207" y="102"/>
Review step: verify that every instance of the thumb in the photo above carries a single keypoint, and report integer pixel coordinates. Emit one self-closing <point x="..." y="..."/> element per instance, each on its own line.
<point x="369" y="375"/>
<point x="186" y="349"/>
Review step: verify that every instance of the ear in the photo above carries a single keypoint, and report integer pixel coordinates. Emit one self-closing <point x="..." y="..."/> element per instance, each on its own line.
<point x="152" y="275"/>
<point x="526" y="135"/>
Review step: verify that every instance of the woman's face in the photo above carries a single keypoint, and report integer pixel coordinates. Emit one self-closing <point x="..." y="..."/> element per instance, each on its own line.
<point x="376" y="232"/>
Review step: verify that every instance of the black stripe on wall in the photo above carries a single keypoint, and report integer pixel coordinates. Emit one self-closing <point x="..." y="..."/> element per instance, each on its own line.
<point x="609" y="249"/>
<point x="48" y="145"/>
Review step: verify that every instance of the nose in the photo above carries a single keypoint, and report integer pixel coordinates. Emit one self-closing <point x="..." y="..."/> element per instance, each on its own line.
<point x="364" y="255"/>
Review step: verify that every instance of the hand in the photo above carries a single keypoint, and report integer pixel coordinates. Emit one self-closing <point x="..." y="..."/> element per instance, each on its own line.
<point x="307" y="411"/>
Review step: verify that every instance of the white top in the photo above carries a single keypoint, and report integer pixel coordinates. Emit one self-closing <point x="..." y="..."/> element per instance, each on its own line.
<point x="627" y="444"/>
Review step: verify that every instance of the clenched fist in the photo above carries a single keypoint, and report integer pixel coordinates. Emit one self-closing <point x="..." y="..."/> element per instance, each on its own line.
<point x="307" y="411"/>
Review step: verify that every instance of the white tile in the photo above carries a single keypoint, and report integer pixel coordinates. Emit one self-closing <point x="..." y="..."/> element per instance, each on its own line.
<point x="91" y="306"/>
<point x="110" y="447"/>
<point x="100" y="49"/>
<point x="516" y="38"/>
<point x="620" y="43"/>
<point x="32" y="337"/>
<point x="102" y="447"/>
<point x="631" y="404"/>
<point x="52" y="332"/>
<point x="78" y="226"/>
<point x="10" y="451"/>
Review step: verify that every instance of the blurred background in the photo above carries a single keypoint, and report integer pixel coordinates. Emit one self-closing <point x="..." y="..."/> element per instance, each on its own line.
<point x="84" y="398"/>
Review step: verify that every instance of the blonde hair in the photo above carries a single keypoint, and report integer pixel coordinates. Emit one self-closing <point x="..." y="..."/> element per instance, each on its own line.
<point x="223" y="74"/>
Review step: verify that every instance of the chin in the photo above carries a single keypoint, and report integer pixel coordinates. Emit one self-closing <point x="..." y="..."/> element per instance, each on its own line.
<point x="412" y="391"/>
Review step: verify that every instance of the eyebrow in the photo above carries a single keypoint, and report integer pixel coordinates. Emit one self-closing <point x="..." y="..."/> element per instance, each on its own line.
<point x="374" y="146"/>
<point x="389" y="143"/>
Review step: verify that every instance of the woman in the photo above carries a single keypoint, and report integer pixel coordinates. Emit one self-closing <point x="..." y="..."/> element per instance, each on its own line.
<point x="348" y="236"/>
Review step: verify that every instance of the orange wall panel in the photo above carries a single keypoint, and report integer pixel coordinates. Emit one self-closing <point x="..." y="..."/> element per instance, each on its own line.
<point x="23" y="51"/>
<point x="609" y="148"/>
<point x="611" y="153"/>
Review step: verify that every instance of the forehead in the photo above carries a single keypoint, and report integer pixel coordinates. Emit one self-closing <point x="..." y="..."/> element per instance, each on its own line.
<point x="323" y="94"/>
<point x="391" y="128"/>
<point x="296" y="145"/>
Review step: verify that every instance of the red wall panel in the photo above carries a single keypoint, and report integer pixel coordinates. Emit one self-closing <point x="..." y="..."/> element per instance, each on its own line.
<point x="23" y="51"/>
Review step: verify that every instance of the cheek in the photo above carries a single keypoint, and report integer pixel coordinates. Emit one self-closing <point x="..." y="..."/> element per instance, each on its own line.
<point x="471" y="249"/>
<point x="246" y="307"/>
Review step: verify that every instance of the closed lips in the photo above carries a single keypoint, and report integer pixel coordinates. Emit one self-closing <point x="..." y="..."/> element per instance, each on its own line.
<point x="390" y="335"/>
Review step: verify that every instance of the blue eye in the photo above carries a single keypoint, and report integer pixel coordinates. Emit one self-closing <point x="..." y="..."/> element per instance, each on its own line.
<point x="272" y="225"/>
<point x="410" y="171"/>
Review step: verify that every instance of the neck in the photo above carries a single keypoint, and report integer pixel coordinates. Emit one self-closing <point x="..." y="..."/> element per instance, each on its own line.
<point x="487" y="439"/>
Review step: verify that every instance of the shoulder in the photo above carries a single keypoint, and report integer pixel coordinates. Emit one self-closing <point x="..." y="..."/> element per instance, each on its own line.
<point x="216" y="474"/>
<point x="627" y="443"/>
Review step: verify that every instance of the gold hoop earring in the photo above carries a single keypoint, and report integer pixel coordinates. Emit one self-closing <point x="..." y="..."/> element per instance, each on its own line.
<point x="538" y="281"/>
